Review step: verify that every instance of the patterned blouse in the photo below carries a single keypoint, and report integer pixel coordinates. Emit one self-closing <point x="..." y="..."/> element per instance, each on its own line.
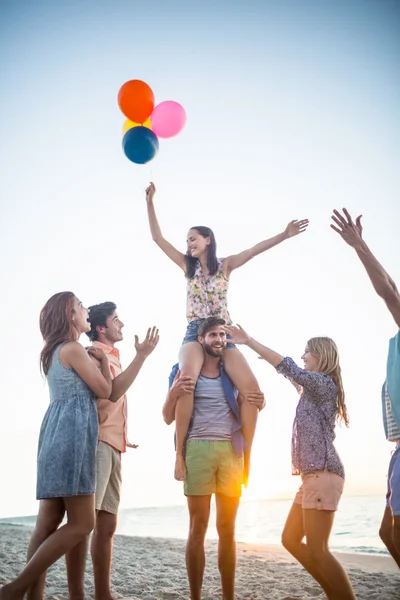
<point x="207" y="295"/>
<point x="314" y="423"/>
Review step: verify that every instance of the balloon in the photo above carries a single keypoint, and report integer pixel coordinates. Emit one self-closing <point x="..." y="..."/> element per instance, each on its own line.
<point x="136" y="100"/>
<point x="168" y="119"/>
<point x="140" y="144"/>
<point x="129" y="124"/>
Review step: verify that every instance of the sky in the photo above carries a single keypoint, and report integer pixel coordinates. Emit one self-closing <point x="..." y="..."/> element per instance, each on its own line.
<point x="292" y="110"/>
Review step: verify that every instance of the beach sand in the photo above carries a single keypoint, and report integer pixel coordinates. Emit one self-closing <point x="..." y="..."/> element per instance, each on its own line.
<point x="153" y="569"/>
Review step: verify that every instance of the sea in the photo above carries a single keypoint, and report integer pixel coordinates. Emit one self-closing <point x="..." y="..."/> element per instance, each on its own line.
<point x="259" y="522"/>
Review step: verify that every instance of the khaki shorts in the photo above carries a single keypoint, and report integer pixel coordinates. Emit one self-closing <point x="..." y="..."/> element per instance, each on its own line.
<point x="321" y="490"/>
<point x="213" y="468"/>
<point x="108" y="478"/>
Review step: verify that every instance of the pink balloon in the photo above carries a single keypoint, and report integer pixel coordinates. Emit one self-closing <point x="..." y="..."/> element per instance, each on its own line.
<point x="168" y="119"/>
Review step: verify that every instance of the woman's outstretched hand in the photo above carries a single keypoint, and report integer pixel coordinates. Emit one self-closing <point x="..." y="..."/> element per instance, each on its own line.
<point x="295" y="227"/>
<point x="238" y="334"/>
<point x="150" y="191"/>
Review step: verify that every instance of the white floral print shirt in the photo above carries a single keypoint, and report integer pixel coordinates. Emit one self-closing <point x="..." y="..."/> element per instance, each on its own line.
<point x="207" y="295"/>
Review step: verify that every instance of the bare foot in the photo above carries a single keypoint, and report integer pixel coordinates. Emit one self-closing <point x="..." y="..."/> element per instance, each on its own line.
<point x="180" y="468"/>
<point x="108" y="596"/>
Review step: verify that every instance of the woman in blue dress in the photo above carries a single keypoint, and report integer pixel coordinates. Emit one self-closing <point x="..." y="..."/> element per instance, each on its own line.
<point x="67" y="442"/>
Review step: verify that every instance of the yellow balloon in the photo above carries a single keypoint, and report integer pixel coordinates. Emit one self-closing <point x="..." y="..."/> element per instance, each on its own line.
<point x="129" y="124"/>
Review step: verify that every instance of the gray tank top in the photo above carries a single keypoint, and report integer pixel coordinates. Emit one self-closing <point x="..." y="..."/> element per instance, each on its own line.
<point x="212" y="416"/>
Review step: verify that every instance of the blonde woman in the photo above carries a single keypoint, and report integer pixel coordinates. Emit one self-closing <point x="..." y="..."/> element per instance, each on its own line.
<point x="314" y="457"/>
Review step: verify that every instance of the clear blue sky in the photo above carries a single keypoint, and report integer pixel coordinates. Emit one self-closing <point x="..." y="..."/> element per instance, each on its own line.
<point x="293" y="109"/>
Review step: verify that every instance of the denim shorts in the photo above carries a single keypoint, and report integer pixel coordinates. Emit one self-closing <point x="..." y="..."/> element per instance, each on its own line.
<point x="393" y="483"/>
<point x="192" y="333"/>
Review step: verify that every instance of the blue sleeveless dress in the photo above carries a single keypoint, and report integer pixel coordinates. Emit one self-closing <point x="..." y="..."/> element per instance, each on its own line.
<point x="66" y="461"/>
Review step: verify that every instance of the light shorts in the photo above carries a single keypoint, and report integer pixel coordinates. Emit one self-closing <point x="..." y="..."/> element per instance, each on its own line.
<point x="321" y="490"/>
<point x="108" y="478"/>
<point x="213" y="468"/>
<point x="393" y="483"/>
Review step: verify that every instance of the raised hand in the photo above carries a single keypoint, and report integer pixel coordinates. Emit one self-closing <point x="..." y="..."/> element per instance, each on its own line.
<point x="349" y="230"/>
<point x="237" y="333"/>
<point x="150" y="191"/>
<point x="295" y="227"/>
<point x="149" y="343"/>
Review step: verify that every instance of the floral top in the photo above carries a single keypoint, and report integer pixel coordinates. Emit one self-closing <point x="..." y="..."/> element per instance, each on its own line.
<point x="314" y="423"/>
<point x="207" y="295"/>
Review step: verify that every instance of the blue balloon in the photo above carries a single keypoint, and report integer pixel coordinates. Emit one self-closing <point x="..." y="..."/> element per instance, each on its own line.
<point x="140" y="145"/>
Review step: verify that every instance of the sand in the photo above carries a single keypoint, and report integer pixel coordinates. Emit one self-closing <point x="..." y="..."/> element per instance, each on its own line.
<point x="153" y="569"/>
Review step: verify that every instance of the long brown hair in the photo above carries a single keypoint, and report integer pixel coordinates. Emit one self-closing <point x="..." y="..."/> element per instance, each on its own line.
<point x="325" y="351"/>
<point x="56" y="326"/>
<point x="212" y="260"/>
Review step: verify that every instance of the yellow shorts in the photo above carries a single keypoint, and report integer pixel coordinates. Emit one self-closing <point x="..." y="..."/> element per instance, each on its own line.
<point x="213" y="468"/>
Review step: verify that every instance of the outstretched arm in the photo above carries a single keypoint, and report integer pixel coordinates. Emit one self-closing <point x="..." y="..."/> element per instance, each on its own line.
<point x="237" y="260"/>
<point x="177" y="257"/>
<point x="239" y="336"/>
<point x="385" y="287"/>
<point x="124" y="380"/>
<point x="316" y="383"/>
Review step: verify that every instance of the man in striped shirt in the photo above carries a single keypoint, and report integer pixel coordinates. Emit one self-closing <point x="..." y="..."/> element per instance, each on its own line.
<point x="385" y="287"/>
<point x="213" y="456"/>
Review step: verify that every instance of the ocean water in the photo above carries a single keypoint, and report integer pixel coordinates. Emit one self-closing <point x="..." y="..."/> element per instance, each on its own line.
<point x="259" y="522"/>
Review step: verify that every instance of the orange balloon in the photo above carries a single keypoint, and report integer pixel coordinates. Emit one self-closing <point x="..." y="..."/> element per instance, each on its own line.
<point x="136" y="100"/>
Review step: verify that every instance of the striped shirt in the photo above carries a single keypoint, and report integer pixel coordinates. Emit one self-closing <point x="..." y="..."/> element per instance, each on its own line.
<point x="213" y="419"/>
<point x="391" y="391"/>
<point x="393" y="430"/>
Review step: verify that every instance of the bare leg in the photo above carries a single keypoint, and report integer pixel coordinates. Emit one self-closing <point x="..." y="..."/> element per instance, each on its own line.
<point x="191" y="358"/>
<point x="81" y="518"/>
<point x="199" y="512"/>
<point x="396" y="532"/>
<point x="318" y="526"/>
<point x="244" y="380"/>
<point x="394" y="490"/>
<point x="386" y="532"/>
<point x="75" y="561"/>
<point x="226" y="519"/>
<point x="292" y="537"/>
<point x="51" y="513"/>
<point x="101" y="549"/>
